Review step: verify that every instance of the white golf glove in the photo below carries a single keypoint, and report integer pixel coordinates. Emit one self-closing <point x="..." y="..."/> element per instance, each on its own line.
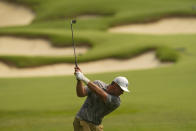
<point x="80" y="76"/>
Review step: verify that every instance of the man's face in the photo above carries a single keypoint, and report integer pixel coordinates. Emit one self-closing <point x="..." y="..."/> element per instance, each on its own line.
<point x="117" y="91"/>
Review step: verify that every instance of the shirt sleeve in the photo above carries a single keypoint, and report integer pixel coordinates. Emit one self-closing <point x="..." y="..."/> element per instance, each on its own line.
<point x="112" y="101"/>
<point x="89" y="90"/>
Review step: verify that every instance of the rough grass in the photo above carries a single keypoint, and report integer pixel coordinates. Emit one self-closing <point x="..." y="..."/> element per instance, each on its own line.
<point x="53" y="22"/>
<point x="103" y="45"/>
<point x="166" y="54"/>
<point x="117" y="11"/>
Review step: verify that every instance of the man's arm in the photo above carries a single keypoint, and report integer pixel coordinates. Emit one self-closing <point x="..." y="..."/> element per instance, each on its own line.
<point x="80" y="90"/>
<point x="98" y="91"/>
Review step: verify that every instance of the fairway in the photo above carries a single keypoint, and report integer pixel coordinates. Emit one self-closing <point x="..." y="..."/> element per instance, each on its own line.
<point x="152" y="43"/>
<point x="160" y="99"/>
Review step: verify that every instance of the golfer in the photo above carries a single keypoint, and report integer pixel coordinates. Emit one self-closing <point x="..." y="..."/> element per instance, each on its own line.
<point x="101" y="100"/>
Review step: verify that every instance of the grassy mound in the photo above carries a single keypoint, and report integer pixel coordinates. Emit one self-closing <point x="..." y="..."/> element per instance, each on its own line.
<point x="53" y="22"/>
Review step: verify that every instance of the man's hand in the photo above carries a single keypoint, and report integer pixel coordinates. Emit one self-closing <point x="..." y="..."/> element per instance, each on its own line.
<point x="81" y="92"/>
<point x="80" y="76"/>
<point x="77" y="69"/>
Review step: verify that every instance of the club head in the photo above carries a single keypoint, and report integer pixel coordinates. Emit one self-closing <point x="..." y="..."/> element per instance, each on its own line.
<point x="73" y="21"/>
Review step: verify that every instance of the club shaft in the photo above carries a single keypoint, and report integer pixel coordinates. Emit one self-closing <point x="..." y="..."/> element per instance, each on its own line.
<point x="74" y="46"/>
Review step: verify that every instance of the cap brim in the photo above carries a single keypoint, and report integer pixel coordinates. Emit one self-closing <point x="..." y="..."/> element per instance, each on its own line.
<point x="124" y="89"/>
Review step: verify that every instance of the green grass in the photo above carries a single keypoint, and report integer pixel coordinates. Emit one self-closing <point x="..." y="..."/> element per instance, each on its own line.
<point x="117" y="11"/>
<point x="161" y="99"/>
<point x="167" y="54"/>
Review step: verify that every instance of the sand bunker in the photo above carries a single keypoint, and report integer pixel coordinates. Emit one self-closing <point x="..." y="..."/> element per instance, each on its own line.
<point x="164" y="26"/>
<point x="34" y="47"/>
<point x="144" y="61"/>
<point x="12" y="15"/>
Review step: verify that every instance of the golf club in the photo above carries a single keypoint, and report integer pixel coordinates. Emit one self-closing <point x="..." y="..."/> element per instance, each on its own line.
<point x="73" y="22"/>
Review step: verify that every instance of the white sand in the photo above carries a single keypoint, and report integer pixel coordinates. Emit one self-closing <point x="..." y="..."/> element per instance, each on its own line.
<point x="164" y="26"/>
<point x="34" y="47"/>
<point x="144" y="61"/>
<point x="12" y="15"/>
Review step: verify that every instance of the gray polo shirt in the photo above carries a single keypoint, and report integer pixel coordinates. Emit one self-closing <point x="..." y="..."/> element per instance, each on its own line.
<point x="94" y="108"/>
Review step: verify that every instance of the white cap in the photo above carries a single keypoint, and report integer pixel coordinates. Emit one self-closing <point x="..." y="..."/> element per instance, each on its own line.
<point x="122" y="82"/>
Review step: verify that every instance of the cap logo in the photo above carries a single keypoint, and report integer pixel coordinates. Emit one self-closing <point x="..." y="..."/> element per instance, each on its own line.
<point x="126" y="85"/>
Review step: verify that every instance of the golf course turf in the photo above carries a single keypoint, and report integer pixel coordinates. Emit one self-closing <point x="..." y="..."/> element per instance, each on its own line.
<point x="161" y="99"/>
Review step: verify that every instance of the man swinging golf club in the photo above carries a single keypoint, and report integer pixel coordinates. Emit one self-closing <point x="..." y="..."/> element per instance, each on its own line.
<point x="101" y="99"/>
